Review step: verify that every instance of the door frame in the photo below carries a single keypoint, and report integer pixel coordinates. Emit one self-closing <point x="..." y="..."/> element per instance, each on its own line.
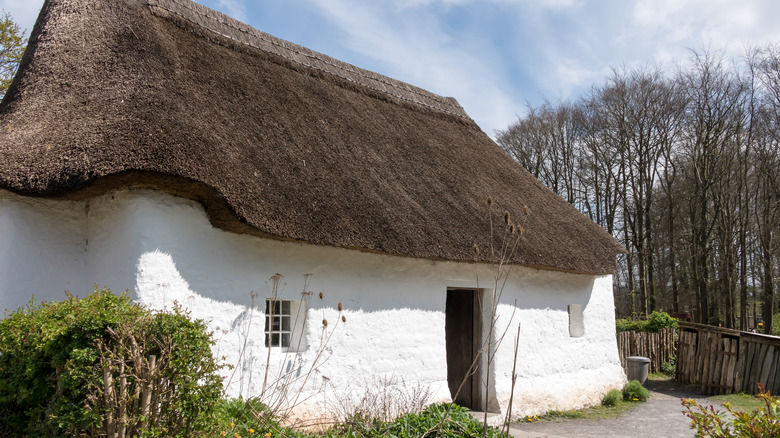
<point x="472" y="393"/>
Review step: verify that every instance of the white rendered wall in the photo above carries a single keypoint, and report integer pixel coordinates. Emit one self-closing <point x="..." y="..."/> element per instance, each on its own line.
<point x="163" y="249"/>
<point x="42" y="249"/>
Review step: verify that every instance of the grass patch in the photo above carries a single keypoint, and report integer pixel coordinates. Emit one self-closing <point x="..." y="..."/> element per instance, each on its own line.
<point x="739" y="402"/>
<point x="591" y="413"/>
<point x="613" y="405"/>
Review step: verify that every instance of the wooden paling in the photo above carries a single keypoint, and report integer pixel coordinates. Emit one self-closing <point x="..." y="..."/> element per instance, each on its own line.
<point x="723" y="361"/>
<point x="658" y="347"/>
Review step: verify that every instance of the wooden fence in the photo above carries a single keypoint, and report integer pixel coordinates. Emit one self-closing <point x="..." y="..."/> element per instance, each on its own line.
<point x="658" y="347"/>
<point x="723" y="361"/>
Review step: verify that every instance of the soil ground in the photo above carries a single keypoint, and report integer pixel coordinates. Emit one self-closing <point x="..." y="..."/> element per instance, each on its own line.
<point x="660" y="416"/>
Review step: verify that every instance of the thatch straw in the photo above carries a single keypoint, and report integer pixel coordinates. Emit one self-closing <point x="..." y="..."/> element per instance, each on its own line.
<point x="172" y="96"/>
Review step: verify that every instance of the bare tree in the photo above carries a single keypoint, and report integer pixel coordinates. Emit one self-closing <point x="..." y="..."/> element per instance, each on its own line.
<point x="683" y="170"/>
<point x="545" y="142"/>
<point x="712" y="120"/>
<point x="767" y="181"/>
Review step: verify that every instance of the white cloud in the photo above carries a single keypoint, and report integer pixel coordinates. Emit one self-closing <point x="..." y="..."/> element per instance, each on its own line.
<point x="412" y="4"/>
<point x="560" y="4"/>
<point x="541" y="4"/>
<point x="674" y="26"/>
<point x="571" y="75"/>
<point x="574" y="48"/>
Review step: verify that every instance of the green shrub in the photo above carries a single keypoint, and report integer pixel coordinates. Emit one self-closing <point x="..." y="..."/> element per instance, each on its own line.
<point x="655" y="322"/>
<point x="459" y="423"/>
<point x="711" y="422"/>
<point x="670" y="368"/>
<point x="629" y="325"/>
<point x="57" y="359"/>
<point x="245" y="418"/>
<point x="634" y="391"/>
<point x="660" y="320"/>
<point x="358" y="426"/>
<point x="236" y="417"/>
<point x="612" y="398"/>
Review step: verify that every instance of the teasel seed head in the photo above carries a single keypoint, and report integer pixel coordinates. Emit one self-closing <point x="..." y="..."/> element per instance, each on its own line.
<point x="476" y="249"/>
<point x="340" y="307"/>
<point x="343" y="318"/>
<point x="506" y="217"/>
<point x="526" y="210"/>
<point x="519" y="229"/>
<point x="512" y="229"/>
<point x="490" y="201"/>
<point x="324" y="322"/>
<point x="322" y="295"/>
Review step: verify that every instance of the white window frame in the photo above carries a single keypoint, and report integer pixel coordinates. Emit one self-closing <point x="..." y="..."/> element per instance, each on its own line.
<point x="287" y="330"/>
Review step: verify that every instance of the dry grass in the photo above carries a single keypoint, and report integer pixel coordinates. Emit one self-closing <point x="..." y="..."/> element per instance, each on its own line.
<point x="383" y="399"/>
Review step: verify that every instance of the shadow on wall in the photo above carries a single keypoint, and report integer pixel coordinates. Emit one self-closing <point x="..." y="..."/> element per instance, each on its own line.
<point x="163" y="248"/>
<point x="161" y="281"/>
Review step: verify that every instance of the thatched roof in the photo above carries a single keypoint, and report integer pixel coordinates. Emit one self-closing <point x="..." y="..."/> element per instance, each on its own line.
<point x="274" y="139"/>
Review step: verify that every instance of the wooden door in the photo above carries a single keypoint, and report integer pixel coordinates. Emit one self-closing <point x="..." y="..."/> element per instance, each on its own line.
<point x="462" y="330"/>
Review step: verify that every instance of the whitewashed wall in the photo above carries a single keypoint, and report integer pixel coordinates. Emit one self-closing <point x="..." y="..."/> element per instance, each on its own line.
<point x="163" y="249"/>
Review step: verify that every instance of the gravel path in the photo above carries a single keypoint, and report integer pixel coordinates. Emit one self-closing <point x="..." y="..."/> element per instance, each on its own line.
<point x="660" y="416"/>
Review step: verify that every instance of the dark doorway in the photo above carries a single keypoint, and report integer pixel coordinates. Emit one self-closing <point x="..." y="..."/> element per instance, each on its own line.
<point x="463" y="323"/>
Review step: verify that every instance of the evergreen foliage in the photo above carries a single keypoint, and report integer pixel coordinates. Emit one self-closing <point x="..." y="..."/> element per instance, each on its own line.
<point x="67" y="368"/>
<point x="654" y="323"/>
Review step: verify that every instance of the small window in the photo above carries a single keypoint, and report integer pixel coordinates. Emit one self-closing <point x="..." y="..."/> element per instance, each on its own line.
<point x="278" y="323"/>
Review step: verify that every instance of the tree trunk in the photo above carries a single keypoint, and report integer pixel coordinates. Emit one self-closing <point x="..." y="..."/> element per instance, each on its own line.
<point x="768" y="284"/>
<point x="743" y="288"/>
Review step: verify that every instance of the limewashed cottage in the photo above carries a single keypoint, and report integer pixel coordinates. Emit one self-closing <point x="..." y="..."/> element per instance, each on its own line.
<point x="160" y="147"/>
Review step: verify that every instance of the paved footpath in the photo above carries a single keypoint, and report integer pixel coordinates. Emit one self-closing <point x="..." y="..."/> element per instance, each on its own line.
<point x="661" y="416"/>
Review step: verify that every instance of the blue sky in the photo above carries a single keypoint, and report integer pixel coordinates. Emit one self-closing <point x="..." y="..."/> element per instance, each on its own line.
<point x="494" y="56"/>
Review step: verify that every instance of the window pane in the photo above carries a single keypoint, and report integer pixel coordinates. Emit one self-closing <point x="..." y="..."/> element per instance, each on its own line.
<point x="278" y="322"/>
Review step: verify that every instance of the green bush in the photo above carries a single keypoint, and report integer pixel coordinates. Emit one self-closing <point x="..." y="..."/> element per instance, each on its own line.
<point x="634" y="391"/>
<point x="660" y="320"/>
<point x="655" y="322"/>
<point x="246" y="418"/>
<point x="629" y="325"/>
<point x="236" y="417"/>
<point x="429" y="422"/>
<point x="612" y="398"/>
<point x="670" y="368"/>
<point x="711" y="422"/>
<point x="776" y="326"/>
<point x="57" y="359"/>
<point x="239" y="413"/>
